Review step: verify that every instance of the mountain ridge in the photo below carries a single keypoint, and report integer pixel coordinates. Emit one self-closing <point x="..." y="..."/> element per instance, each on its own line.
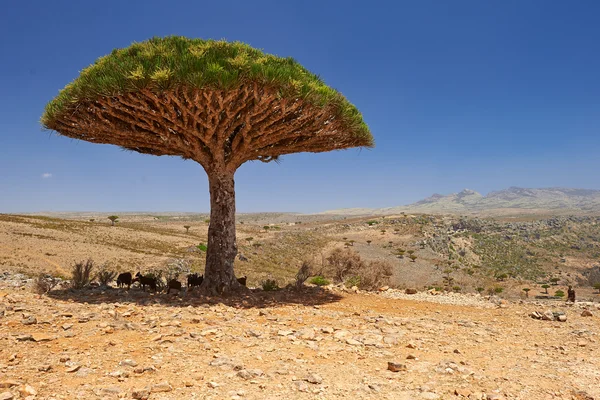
<point x="514" y="200"/>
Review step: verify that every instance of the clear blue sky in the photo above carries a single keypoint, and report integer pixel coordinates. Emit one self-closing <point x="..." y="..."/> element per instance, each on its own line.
<point x="476" y="94"/>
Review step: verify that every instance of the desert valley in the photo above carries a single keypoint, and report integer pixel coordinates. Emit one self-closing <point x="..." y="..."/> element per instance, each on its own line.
<point x="406" y="305"/>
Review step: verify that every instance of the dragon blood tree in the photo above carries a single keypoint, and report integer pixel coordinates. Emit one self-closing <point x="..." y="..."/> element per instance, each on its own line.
<point x="215" y="102"/>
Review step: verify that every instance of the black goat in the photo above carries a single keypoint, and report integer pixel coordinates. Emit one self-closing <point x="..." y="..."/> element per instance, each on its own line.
<point x="145" y="280"/>
<point x="242" y="280"/>
<point x="194" y="280"/>
<point x="124" y="279"/>
<point x="173" y="284"/>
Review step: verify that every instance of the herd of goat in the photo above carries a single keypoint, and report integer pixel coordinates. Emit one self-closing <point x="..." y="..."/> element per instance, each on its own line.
<point x="193" y="280"/>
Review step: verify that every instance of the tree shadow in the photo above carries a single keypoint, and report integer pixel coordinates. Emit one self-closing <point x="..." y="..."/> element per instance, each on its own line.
<point x="251" y="298"/>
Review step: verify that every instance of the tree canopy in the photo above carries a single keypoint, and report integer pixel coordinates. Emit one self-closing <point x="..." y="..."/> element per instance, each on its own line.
<point x="195" y="85"/>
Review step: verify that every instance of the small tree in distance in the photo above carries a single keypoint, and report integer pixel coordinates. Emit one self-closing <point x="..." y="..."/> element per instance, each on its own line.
<point x="187" y="228"/>
<point x="545" y="287"/>
<point x="113" y="219"/>
<point x="597" y="287"/>
<point x="526" y="290"/>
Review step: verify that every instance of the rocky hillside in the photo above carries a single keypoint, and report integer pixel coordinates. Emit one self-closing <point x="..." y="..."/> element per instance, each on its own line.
<point x="513" y="200"/>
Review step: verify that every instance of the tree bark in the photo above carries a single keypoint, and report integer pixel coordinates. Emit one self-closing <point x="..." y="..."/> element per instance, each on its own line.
<point x="219" y="277"/>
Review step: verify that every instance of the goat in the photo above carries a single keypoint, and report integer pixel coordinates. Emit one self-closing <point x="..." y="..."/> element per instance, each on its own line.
<point x="194" y="280"/>
<point x="242" y="280"/>
<point x="124" y="279"/>
<point x="145" y="280"/>
<point x="173" y="284"/>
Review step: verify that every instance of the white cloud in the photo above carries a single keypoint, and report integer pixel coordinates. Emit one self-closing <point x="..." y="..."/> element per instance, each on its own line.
<point x="46" y="175"/>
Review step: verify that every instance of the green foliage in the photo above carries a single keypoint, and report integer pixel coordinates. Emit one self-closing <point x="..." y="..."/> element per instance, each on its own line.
<point x="554" y="281"/>
<point x="319" y="281"/>
<point x="372" y="222"/>
<point x="501" y="277"/>
<point x="480" y="289"/>
<point x="113" y="218"/>
<point x="412" y="257"/>
<point x="352" y="281"/>
<point x="269" y="285"/>
<point x="202" y="247"/>
<point x="456" y="288"/>
<point x="498" y="289"/>
<point x="597" y="286"/>
<point x="165" y="63"/>
<point x="559" y="293"/>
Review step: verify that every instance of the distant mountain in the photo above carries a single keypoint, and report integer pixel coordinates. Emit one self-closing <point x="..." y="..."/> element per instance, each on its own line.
<point x="513" y="200"/>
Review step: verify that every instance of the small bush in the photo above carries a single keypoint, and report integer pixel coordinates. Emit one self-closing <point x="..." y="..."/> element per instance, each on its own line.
<point x="559" y="293"/>
<point x="81" y="274"/>
<point x="375" y="274"/>
<point x="319" y="281"/>
<point x="303" y="274"/>
<point x="480" y="289"/>
<point x="456" y="288"/>
<point x="343" y="263"/>
<point x="202" y="247"/>
<point x="44" y="283"/>
<point x="353" y="281"/>
<point x="104" y="276"/>
<point x="498" y="289"/>
<point x="269" y="285"/>
<point x="176" y="267"/>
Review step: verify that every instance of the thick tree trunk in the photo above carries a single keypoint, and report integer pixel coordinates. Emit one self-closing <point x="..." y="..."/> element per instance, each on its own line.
<point x="219" y="277"/>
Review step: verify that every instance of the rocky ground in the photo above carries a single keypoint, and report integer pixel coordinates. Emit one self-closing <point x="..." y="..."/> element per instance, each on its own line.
<point x="319" y="344"/>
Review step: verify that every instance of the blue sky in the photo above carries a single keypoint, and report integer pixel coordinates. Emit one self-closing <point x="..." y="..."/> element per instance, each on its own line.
<point x="458" y="94"/>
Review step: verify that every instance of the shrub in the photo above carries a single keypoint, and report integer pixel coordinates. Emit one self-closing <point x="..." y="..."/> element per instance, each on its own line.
<point x="597" y="287"/>
<point x="456" y="288"/>
<point x="319" y="281"/>
<point x="498" y="289"/>
<point x="353" y="281"/>
<point x="501" y="277"/>
<point x="104" y="276"/>
<point x="554" y="281"/>
<point x="303" y="274"/>
<point x="412" y="257"/>
<point x="176" y="267"/>
<point x="480" y="289"/>
<point x="81" y="274"/>
<point x="375" y="274"/>
<point x="269" y="285"/>
<point x="559" y="293"/>
<point x="44" y="283"/>
<point x="371" y="223"/>
<point x="343" y="263"/>
<point x="202" y="247"/>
